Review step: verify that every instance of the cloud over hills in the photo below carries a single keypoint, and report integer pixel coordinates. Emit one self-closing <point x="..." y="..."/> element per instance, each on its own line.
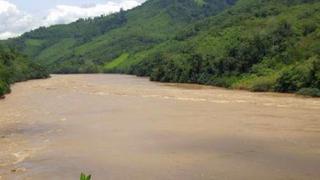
<point x="14" y="21"/>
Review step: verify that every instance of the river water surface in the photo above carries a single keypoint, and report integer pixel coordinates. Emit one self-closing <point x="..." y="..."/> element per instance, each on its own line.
<point x="124" y="127"/>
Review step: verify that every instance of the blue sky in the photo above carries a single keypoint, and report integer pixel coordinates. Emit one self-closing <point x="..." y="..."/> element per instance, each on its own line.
<point x="19" y="16"/>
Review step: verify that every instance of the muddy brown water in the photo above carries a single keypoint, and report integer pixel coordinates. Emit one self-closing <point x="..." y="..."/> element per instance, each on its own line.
<point x="124" y="127"/>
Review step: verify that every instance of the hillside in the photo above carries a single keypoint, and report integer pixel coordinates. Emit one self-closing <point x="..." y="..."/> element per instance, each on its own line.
<point x="259" y="45"/>
<point x="89" y="44"/>
<point x="15" y="67"/>
<point x="255" y="45"/>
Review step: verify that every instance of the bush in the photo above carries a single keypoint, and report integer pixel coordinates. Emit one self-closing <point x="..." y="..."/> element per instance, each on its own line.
<point x="295" y="78"/>
<point x="225" y="81"/>
<point x="262" y="85"/>
<point x="4" y="88"/>
<point x="303" y="75"/>
<point x="313" y="92"/>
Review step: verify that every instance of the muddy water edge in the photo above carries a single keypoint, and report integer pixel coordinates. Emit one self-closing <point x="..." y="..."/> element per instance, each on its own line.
<point x="124" y="127"/>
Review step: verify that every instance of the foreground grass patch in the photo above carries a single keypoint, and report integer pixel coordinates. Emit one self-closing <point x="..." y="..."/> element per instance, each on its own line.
<point x="85" y="177"/>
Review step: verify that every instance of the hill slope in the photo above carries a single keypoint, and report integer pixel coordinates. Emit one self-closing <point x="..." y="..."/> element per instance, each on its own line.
<point x="260" y="45"/>
<point x="87" y="45"/>
<point x="255" y="45"/>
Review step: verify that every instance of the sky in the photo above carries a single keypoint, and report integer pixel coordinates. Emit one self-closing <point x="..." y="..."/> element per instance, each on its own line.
<point x="19" y="16"/>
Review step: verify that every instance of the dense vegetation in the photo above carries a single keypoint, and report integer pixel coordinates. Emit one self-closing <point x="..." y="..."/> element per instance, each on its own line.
<point x="259" y="45"/>
<point x="256" y="45"/>
<point x="15" y="67"/>
<point x="86" y="45"/>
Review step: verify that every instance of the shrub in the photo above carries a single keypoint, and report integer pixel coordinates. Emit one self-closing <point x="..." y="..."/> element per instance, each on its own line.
<point x="225" y="81"/>
<point x="313" y="92"/>
<point x="295" y="78"/>
<point x="4" y="88"/>
<point x="262" y="85"/>
<point x="303" y="75"/>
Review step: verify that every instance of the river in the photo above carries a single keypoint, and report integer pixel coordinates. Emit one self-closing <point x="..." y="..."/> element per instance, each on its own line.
<point x="125" y="127"/>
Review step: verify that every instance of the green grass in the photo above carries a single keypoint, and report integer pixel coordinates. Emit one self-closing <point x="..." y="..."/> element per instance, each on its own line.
<point x="85" y="177"/>
<point x="116" y="62"/>
<point x="58" y="50"/>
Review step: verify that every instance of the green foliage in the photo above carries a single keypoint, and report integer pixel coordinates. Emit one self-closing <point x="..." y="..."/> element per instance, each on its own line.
<point x="4" y="88"/>
<point x="200" y="2"/>
<point x="100" y="40"/>
<point x="293" y="79"/>
<point x="15" y="67"/>
<point x="312" y="92"/>
<point x="265" y="45"/>
<point x="255" y="45"/>
<point x="303" y="75"/>
<point x="116" y="62"/>
<point x="85" y="177"/>
<point x="262" y="85"/>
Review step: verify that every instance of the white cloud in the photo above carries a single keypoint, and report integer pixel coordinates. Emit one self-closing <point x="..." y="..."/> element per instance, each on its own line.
<point x="6" y="35"/>
<point x="15" y="22"/>
<point x="66" y="13"/>
<point x="6" y="6"/>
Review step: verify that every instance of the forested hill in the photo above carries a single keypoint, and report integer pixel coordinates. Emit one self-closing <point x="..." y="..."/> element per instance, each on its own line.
<point x="15" y="67"/>
<point x="88" y="44"/>
<point x="260" y="45"/>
